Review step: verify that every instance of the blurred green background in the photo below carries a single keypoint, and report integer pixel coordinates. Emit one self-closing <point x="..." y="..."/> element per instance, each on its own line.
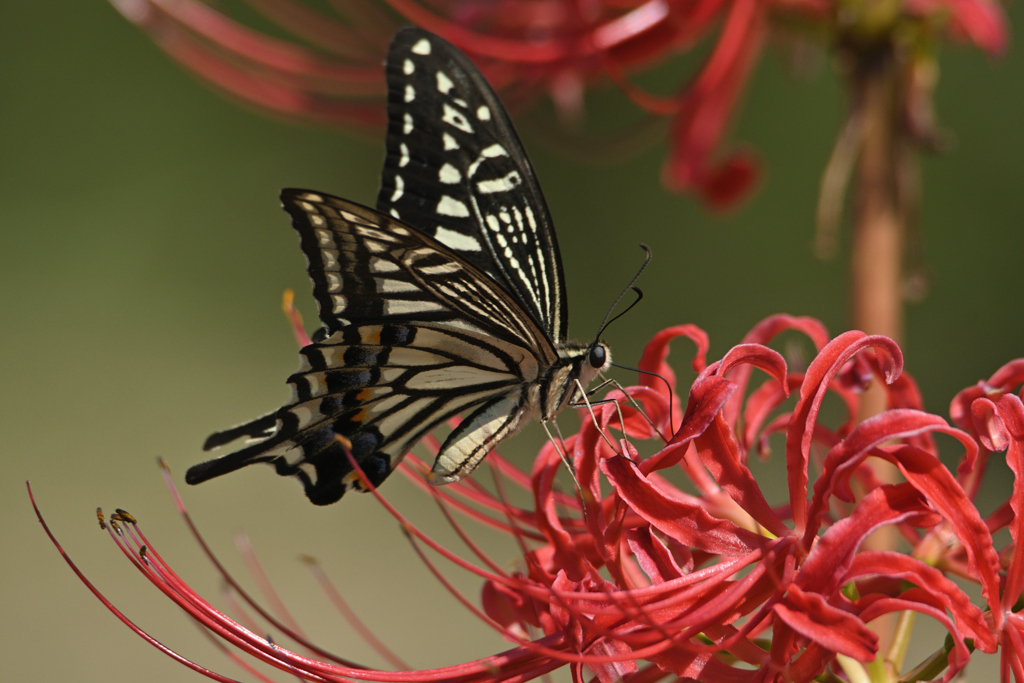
<point x="142" y="263"/>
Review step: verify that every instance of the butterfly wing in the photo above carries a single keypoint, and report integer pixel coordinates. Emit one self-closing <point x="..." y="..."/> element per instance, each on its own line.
<point x="413" y="334"/>
<point x="456" y="170"/>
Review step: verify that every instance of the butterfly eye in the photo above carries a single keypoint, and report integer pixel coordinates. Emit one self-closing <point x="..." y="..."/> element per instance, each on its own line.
<point x="597" y="356"/>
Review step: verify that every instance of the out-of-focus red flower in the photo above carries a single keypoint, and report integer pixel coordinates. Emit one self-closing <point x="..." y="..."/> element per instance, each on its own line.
<point x="635" y="577"/>
<point x="332" y="72"/>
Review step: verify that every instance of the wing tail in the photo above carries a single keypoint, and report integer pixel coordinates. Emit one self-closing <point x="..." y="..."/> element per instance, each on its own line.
<point x="262" y="427"/>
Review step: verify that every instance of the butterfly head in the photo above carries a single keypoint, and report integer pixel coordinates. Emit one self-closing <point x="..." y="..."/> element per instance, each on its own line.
<point x="598" y="359"/>
<point x="599" y="356"/>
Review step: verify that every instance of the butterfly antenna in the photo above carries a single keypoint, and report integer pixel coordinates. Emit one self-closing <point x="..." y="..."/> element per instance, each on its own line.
<point x="640" y="295"/>
<point x="671" y="394"/>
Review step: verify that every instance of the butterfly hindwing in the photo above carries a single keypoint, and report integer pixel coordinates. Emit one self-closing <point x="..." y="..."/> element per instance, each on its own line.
<point x="456" y="170"/>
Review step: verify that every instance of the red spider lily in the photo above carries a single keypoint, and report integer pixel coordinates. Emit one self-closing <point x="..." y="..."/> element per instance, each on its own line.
<point x="635" y="578"/>
<point x="333" y="74"/>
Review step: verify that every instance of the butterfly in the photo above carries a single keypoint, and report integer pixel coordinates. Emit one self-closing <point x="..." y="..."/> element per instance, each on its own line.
<point x="447" y="299"/>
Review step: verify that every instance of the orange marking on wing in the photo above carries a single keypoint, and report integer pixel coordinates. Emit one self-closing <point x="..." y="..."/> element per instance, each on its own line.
<point x="362" y="396"/>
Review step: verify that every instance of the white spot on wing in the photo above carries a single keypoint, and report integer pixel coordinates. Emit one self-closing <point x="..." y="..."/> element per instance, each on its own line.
<point x="407" y="123"/>
<point x="530" y="219"/>
<point x="462" y="377"/>
<point x="449" y="206"/>
<point x="449" y="142"/>
<point x="483" y="113"/>
<point x="410" y="93"/>
<point x="392" y="286"/>
<point x="443" y="269"/>
<point x="408" y="67"/>
<point x="379" y="265"/>
<point x="509" y="182"/>
<point x="394" y="212"/>
<point x="449" y="174"/>
<point x="455" y="118"/>
<point x="402" y="306"/>
<point x="456" y="240"/>
<point x="494" y="150"/>
<point x="399" y="188"/>
<point x="310" y="196"/>
<point x="404" y="159"/>
<point x="444" y="84"/>
<point x="422" y="47"/>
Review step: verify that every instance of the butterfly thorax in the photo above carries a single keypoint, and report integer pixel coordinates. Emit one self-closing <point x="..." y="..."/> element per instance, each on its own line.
<point x="576" y="361"/>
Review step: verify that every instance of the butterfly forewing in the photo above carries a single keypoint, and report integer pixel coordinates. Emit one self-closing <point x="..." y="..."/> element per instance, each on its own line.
<point x="456" y="170"/>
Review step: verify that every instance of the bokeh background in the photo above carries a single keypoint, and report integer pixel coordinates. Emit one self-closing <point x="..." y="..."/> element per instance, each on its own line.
<point x="142" y="259"/>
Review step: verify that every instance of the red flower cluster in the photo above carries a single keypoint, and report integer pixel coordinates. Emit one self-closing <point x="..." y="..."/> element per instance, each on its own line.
<point x="530" y="48"/>
<point x="635" y="578"/>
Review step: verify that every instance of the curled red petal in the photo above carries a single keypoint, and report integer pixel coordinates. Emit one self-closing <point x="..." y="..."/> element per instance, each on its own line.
<point x="728" y="183"/>
<point x="773" y="325"/>
<point x="719" y="452"/>
<point x="1010" y="414"/>
<point x="759" y="356"/>
<point x="843" y="458"/>
<point x="1002" y="380"/>
<point x="834" y="629"/>
<point x="688" y="524"/>
<point x="945" y="495"/>
<point x="763" y="333"/>
<point x="656" y="351"/>
<point x="989" y="425"/>
<point x="710" y="98"/>
<point x="831" y="557"/>
<point x="819" y="374"/>
<point x="920" y="601"/>
<point x="968" y="617"/>
<point x="653" y="556"/>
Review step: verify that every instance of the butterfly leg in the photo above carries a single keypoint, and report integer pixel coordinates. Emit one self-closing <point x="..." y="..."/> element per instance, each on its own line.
<point x="633" y="402"/>
<point x="563" y="453"/>
<point x="590" y="409"/>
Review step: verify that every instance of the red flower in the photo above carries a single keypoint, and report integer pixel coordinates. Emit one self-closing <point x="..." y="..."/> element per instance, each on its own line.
<point x="526" y="49"/>
<point x="635" y="578"/>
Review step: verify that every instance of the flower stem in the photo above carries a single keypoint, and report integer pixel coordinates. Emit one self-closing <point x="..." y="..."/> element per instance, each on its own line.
<point x="877" y="249"/>
<point x="876" y="295"/>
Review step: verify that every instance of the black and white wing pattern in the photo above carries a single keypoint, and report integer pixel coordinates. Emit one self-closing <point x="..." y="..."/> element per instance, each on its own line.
<point x="456" y="170"/>
<point x="446" y="300"/>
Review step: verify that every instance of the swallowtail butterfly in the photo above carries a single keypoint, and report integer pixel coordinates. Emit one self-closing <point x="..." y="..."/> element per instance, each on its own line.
<point x="448" y="298"/>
